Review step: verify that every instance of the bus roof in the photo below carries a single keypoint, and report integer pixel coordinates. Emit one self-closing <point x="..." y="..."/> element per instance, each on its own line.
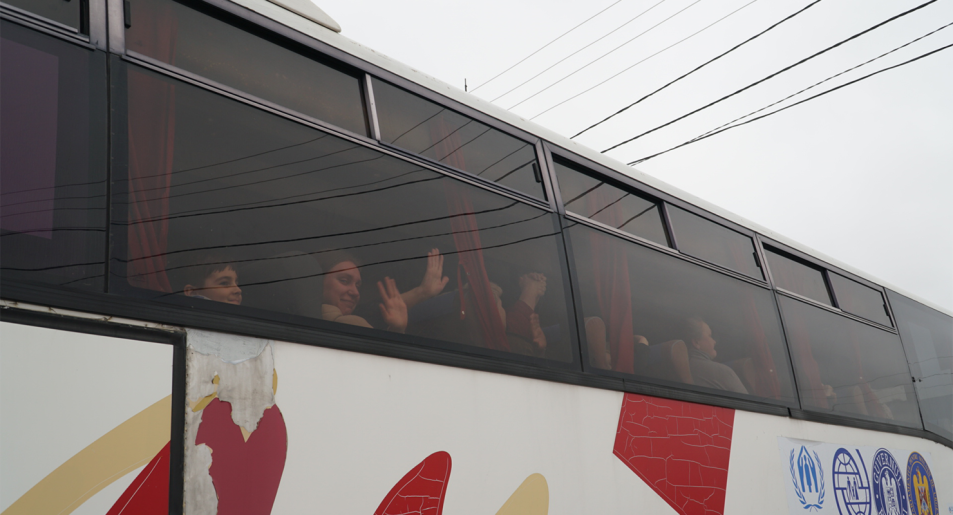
<point x="328" y="31"/>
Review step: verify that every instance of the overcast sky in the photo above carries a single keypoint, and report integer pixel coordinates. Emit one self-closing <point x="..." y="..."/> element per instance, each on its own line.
<point x="864" y="174"/>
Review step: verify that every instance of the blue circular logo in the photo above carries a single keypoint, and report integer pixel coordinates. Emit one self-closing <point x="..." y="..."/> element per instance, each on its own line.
<point x="851" y="484"/>
<point x="920" y="487"/>
<point x="890" y="496"/>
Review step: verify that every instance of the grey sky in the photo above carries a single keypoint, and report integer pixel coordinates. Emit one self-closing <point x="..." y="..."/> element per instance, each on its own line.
<point x="864" y="174"/>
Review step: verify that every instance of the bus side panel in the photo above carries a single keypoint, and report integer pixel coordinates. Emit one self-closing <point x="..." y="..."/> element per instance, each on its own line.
<point x="82" y="417"/>
<point x="286" y="426"/>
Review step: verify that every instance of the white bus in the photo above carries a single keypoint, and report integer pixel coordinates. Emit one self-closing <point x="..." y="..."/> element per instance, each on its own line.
<point x="250" y="266"/>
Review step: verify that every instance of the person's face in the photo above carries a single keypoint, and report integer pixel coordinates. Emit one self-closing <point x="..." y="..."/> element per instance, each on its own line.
<point x="222" y="286"/>
<point x="342" y="287"/>
<point x="706" y="343"/>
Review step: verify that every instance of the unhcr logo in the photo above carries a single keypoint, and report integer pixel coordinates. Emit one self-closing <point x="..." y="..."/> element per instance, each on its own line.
<point x="808" y="478"/>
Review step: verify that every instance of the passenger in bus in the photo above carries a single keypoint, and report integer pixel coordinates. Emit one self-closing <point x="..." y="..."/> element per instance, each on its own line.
<point x="524" y="333"/>
<point x="212" y="278"/>
<point x="342" y="291"/>
<point x="701" y="359"/>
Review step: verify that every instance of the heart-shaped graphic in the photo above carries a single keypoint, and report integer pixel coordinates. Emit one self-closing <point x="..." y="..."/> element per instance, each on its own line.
<point x="245" y="474"/>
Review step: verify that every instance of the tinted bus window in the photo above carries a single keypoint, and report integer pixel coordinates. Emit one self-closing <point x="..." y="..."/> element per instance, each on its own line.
<point x="61" y="11"/>
<point x="848" y="367"/>
<point x="860" y="300"/>
<point x="712" y="242"/>
<point x="665" y="319"/>
<point x="927" y="337"/>
<point x="52" y="160"/>
<point x="224" y="202"/>
<point x="175" y="34"/>
<point x="615" y="207"/>
<point x="438" y="133"/>
<point x="797" y="277"/>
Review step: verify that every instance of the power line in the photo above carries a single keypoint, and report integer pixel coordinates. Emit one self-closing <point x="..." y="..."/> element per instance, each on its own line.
<point x="710" y="134"/>
<point x="580" y="50"/>
<point x="802" y="61"/>
<point x="865" y="63"/>
<point x="739" y="45"/>
<point x="546" y="45"/>
<point x="607" y="53"/>
<point x="646" y="59"/>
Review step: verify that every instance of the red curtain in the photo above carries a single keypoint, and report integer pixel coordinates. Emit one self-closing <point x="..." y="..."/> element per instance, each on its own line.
<point x="766" y="380"/>
<point x="151" y="145"/>
<point x="610" y="267"/>
<point x="466" y="238"/>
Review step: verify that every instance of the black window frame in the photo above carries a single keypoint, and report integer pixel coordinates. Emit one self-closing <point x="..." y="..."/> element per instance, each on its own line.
<point x="826" y="269"/>
<point x="119" y="143"/>
<point x="545" y="172"/>
<point x="652" y="386"/>
<point x="87" y="13"/>
<point x="289" y="44"/>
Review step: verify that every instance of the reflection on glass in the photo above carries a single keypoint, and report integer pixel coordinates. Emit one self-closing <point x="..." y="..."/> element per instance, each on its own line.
<point x="61" y="11"/>
<point x="183" y="37"/>
<point x="430" y="130"/>
<point x="52" y="160"/>
<point x="927" y="337"/>
<point x="224" y="202"/>
<point x="860" y="300"/>
<point x="797" y="277"/>
<point x="715" y="243"/>
<point x="848" y="367"/>
<point x="662" y="318"/>
<point x="604" y="203"/>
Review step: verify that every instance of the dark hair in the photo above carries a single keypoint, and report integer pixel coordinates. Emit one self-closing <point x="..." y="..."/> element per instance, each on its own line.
<point x="194" y="274"/>
<point x="330" y="259"/>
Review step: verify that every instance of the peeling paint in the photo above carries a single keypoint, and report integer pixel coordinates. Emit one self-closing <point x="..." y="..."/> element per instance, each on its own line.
<point x="237" y="370"/>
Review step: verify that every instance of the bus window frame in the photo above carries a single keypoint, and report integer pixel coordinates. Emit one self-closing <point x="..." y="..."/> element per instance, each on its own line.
<point x="826" y="269"/>
<point x="651" y="386"/>
<point x="100" y="327"/>
<point x="118" y="241"/>
<point x="627" y="183"/>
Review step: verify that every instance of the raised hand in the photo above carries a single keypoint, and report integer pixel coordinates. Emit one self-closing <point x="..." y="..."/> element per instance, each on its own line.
<point x="393" y="308"/>
<point x="434" y="281"/>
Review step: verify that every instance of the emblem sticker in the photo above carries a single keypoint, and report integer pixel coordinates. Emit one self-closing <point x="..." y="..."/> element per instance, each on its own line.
<point x="851" y="484"/>
<point x="890" y="496"/>
<point x="921" y="490"/>
<point x="808" y="478"/>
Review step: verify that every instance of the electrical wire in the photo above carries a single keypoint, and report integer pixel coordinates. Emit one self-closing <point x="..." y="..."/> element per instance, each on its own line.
<point x="580" y="50"/>
<point x="606" y="54"/>
<point x="710" y="134"/>
<point x="865" y="63"/>
<point x="732" y="49"/>
<point x="802" y="61"/>
<point x="646" y="59"/>
<point x="544" y="46"/>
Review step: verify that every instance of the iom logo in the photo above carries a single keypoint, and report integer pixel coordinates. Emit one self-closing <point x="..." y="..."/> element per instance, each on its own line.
<point x="808" y="478"/>
<point x="890" y="495"/>
<point x="851" y="484"/>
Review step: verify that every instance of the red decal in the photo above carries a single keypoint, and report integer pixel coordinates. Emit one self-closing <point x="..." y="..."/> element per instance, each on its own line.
<point x="245" y="474"/>
<point x="149" y="492"/>
<point x="421" y="491"/>
<point x="678" y="448"/>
